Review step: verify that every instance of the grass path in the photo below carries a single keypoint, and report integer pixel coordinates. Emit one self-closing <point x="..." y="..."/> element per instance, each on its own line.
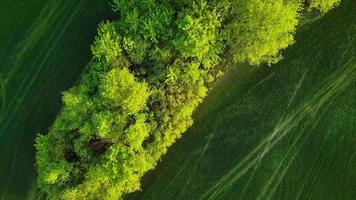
<point x="42" y="53"/>
<point x="284" y="132"/>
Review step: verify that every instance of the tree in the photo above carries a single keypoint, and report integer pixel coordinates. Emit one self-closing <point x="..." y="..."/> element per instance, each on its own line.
<point x="150" y="69"/>
<point x="258" y="29"/>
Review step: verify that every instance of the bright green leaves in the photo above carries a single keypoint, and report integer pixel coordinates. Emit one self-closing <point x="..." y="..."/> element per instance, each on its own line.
<point x="107" y="46"/>
<point x="58" y="173"/>
<point x="77" y="106"/>
<point x="109" y="124"/>
<point x="150" y="69"/>
<point x="51" y="172"/>
<point x="323" y="5"/>
<point x="260" y="29"/>
<point x="120" y="88"/>
<point x="199" y="34"/>
<point x="148" y="20"/>
<point x="137" y="132"/>
<point x="154" y="25"/>
<point x="136" y="49"/>
<point x="132" y="19"/>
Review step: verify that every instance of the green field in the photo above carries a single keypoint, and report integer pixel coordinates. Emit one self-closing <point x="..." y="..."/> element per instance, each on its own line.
<point x="281" y="132"/>
<point x="44" y="46"/>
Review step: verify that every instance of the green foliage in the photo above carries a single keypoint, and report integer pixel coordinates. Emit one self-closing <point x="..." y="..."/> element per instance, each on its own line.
<point x="260" y="29"/>
<point x="150" y="69"/>
<point x="120" y="89"/>
<point x="198" y="35"/>
<point x="323" y="5"/>
<point x="107" y="45"/>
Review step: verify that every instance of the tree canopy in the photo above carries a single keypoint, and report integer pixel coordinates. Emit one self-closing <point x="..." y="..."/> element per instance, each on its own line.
<point x="150" y="69"/>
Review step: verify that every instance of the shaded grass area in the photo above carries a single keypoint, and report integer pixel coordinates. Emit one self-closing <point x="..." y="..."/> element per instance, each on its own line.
<point x="44" y="46"/>
<point x="284" y="132"/>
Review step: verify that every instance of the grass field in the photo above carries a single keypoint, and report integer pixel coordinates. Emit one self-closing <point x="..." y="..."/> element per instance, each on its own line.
<point x="281" y="132"/>
<point x="44" y="46"/>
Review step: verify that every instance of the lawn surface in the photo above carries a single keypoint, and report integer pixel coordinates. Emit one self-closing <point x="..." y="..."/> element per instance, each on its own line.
<point x="44" y="46"/>
<point x="281" y="132"/>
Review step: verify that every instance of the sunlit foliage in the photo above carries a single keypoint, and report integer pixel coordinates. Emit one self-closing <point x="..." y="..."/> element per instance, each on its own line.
<point x="259" y="29"/>
<point x="323" y="5"/>
<point x="150" y="70"/>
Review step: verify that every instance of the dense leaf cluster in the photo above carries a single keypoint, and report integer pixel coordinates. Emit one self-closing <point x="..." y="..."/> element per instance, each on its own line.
<point x="150" y="70"/>
<point x="322" y="5"/>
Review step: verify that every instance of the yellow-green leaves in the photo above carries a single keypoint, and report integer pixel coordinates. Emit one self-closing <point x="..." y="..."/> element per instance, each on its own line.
<point x="137" y="132"/>
<point x="260" y="29"/>
<point x="107" y="44"/>
<point x="110" y="124"/>
<point x="323" y="5"/>
<point x="198" y="35"/>
<point x="136" y="49"/>
<point x="150" y="69"/>
<point x="120" y="88"/>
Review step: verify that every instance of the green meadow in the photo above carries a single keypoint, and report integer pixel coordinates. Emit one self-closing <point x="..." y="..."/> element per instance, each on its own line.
<point x="282" y="132"/>
<point x="44" y="46"/>
<point x="278" y="132"/>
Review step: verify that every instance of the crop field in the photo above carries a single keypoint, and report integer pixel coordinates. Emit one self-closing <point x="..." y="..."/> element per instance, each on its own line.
<point x="44" y="46"/>
<point x="280" y="132"/>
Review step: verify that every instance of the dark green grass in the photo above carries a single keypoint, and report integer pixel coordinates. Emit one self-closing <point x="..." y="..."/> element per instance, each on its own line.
<point x="281" y="132"/>
<point x="44" y="46"/>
